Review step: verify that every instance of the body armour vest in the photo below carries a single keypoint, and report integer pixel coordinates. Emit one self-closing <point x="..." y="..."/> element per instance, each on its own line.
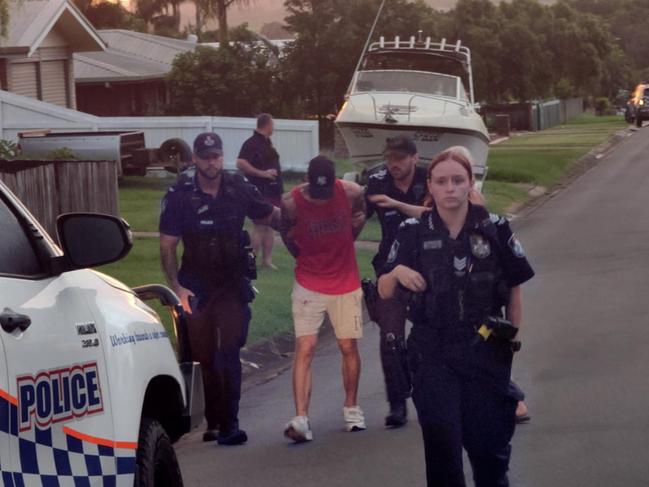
<point x="463" y="275"/>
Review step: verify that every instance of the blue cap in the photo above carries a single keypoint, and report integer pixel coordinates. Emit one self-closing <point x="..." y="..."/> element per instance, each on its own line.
<point x="208" y="144"/>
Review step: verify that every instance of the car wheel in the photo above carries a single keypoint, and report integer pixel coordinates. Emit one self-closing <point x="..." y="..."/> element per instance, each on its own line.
<point x="638" y="122"/>
<point x="157" y="465"/>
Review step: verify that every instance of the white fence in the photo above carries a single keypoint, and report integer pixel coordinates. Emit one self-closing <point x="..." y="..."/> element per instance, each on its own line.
<point x="295" y="140"/>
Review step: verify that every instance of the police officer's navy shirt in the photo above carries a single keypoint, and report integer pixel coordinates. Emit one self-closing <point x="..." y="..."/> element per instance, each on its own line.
<point x="206" y="223"/>
<point x="411" y="240"/>
<point x="448" y="314"/>
<point x="258" y="150"/>
<point x="382" y="182"/>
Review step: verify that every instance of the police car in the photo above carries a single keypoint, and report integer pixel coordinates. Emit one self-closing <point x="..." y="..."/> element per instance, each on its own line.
<point x="91" y="391"/>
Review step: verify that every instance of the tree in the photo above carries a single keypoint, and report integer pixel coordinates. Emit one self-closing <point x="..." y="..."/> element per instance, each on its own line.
<point x="4" y="17"/>
<point x="218" y="9"/>
<point x="329" y="37"/>
<point x="477" y="24"/>
<point x="109" y="15"/>
<point x="159" y="12"/>
<point x="627" y="22"/>
<point x="235" y="80"/>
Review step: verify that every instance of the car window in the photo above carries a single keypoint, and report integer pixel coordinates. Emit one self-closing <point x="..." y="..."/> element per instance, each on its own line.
<point x="17" y="256"/>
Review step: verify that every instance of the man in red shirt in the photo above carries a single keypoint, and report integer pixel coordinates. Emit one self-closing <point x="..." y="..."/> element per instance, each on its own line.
<point x="320" y="221"/>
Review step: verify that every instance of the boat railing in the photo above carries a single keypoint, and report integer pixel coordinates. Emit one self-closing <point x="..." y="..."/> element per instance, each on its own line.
<point x="425" y="45"/>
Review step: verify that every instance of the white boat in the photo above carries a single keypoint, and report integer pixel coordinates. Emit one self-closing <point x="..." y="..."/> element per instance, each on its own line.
<point x="415" y="88"/>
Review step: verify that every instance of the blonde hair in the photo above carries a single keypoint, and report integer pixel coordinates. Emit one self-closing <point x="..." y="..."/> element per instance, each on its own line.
<point x="457" y="153"/>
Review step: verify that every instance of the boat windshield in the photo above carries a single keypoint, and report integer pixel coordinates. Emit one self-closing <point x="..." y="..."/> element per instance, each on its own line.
<point x="409" y="81"/>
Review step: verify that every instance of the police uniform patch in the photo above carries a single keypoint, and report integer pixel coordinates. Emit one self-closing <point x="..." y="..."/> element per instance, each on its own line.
<point x="431" y="225"/>
<point x="517" y="248"/>
<point x="460" y="265"/>
<point x="393" y="252"/>
<point x="480" y="246"/>
<point x="202" y="209"/>
<point x="432" y="244"/>
<point x="410" y="221"/>
<point x="379" y="174"/>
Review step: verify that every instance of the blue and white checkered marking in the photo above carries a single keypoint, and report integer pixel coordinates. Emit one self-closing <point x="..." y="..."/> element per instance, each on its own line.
<point x="60" y="460"/>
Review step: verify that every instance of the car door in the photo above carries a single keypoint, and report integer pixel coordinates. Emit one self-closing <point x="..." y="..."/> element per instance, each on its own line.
<point x="60" y="424"/>
<point x="6" y="403"/>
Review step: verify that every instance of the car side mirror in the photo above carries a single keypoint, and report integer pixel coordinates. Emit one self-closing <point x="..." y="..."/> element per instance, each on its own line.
<point x="92" y="239"/>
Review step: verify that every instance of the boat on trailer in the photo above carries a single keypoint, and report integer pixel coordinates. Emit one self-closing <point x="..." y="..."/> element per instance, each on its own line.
<point x="417" y="88"/>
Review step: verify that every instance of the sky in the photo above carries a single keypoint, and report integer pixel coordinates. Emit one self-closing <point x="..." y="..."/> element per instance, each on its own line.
<point x="260" y="12"/>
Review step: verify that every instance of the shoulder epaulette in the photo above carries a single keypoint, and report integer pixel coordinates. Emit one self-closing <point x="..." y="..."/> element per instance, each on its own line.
<point x="409" y="221"/>
<point x="379" y="175"/>
<point x="497" y="219"/>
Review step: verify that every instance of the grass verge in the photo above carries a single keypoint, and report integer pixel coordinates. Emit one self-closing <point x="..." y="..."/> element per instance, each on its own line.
<point x="542" y="158"/>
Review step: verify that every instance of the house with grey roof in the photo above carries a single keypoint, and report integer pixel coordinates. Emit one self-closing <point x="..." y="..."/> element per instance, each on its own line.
<point x="36" y="56"/>
<point x="128" y="78"/>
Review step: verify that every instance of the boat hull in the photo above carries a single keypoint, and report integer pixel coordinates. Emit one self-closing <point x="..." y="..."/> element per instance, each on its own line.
<point x="366" y="141"/>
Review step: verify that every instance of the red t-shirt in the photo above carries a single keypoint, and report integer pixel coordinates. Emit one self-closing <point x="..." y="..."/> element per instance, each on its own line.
<point x="327" y="259"/>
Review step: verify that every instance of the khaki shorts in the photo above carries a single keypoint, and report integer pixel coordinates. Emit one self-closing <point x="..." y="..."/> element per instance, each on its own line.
<point x="344" y="311"/>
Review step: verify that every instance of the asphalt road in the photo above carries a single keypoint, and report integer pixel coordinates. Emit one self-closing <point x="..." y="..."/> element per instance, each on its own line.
<point x="583" y="366"/>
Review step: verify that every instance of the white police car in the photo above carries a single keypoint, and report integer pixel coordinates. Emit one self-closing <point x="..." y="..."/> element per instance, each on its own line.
<point x="91" y="392"/>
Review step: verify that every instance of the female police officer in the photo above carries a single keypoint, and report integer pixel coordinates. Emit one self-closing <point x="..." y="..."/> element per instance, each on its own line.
<point x="463" y="266"/>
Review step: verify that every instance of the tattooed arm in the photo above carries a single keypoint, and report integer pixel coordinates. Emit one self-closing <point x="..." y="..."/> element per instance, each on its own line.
<point x="287" y="224"/>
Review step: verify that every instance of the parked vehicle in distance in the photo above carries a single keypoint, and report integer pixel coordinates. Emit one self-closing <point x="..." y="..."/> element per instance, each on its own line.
<point x="637" y="108"/>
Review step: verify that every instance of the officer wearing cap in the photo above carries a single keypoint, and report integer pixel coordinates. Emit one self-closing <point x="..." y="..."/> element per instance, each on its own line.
<point x="463" y="266"/>
<point x="401" y="180"/>
<point x="206" y="212"/>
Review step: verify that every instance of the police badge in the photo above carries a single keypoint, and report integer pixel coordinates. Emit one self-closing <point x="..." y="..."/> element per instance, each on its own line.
<point x="393" y="252"/>
<point x="517" y="248"/>
<point x="480" y="246"/>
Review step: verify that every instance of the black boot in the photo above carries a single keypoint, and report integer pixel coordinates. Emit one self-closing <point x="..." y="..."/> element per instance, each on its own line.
<point x="210" y="435"/>
<point x="398" y="415"/>
<point x="233" y="437"/>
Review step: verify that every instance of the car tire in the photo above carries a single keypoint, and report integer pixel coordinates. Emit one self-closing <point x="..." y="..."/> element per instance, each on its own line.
<point x="156" y="462"/>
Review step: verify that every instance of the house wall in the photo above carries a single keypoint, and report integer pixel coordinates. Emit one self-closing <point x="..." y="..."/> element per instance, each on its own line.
<point x="47" y="74"/>
<point x="122" y="99"/>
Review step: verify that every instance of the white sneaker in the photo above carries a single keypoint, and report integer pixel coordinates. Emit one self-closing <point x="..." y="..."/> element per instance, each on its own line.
<point x="354" y="418"/>
<point x="298" y="429"/>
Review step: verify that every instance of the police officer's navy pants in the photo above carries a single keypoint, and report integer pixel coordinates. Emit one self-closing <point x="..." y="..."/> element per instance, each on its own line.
<point x="217" y="331"/>
<point x="391" y="316"/>
<point x="458" y="411"/>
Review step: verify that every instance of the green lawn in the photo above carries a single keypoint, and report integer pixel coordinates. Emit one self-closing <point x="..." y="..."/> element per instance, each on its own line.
<point x="271" y="309"/>
<point x="543" y="157"/>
